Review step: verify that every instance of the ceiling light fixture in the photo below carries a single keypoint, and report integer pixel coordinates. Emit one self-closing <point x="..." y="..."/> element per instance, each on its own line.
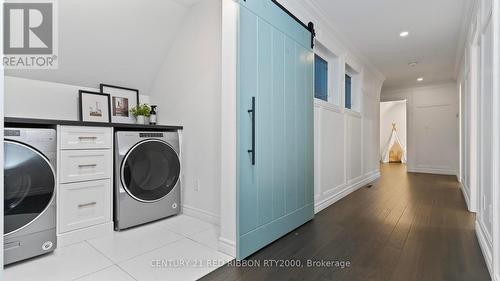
<point x="404" y="33"/>
<point x="420" y="79"/>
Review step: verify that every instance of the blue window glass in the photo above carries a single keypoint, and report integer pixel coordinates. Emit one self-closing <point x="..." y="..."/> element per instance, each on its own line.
<point x="348" y="101"/>
<point x="320" y="78"/>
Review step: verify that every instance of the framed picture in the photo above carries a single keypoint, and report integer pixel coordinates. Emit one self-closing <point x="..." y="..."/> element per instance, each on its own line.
<point x="94" y="107"/>
<point x="121" y="101"/>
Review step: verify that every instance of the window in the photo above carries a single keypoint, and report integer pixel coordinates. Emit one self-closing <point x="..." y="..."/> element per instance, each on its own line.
<point x="320" y="78"/>
<point x="348" y="94"/>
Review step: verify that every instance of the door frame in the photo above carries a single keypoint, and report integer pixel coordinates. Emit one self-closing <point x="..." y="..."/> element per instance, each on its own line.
<point x="227" y="237"/>
<point x="407" y="116"/>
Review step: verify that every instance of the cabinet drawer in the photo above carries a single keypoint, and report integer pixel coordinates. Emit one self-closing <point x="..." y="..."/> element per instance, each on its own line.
<point x="73" y="137"/>
<point x="84" y="204"/>
<point x="84" y="165"/>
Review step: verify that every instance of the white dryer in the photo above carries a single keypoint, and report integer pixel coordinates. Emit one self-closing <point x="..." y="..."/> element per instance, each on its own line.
<point x="147" y="177"/>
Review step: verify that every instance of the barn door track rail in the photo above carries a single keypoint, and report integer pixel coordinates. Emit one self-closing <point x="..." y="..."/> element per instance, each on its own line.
<point x="309" y="26"/>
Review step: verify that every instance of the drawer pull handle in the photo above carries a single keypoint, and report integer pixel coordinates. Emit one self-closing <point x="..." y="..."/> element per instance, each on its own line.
<point x="87" y="204"/>
<point x="87" y="165"/>
<point x="87" y="138"/>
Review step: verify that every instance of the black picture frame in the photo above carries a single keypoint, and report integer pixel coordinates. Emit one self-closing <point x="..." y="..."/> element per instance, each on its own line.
<point x="117" y="118"/>
<point x="81" y="93"/>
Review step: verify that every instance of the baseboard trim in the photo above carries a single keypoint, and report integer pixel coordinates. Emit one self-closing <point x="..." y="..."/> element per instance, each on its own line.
<point x="227" y="246"/>
<point x="429" y="170"/>
<point x="354" y="181"/>
<point x="325" y="203"/>
<point x="466" y="196"/>
<point x="201" y="214"/>
<point x="79" y="235"/>
<point x="485" y="249"/>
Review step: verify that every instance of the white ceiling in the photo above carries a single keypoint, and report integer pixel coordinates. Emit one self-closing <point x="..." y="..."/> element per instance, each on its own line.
<point x="116" y="42"/>
<point x="373" y="27"/>
<point x="126" y="44"/>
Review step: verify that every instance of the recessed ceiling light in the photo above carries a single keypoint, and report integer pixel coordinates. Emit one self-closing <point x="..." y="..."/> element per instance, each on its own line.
<point x="420" y="79"/>
<point x="404" y="33"/>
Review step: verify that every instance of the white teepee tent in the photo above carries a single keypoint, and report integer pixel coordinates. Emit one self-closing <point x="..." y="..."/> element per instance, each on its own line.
<point x="394" y="150"/>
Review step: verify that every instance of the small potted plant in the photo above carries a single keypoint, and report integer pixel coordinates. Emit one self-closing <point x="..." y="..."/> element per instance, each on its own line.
<point x="140" y="112"/>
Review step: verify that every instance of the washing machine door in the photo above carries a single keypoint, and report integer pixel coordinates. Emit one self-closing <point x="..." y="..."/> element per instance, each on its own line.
<point x="29" y="185"/>
<point x="150" y="170"/>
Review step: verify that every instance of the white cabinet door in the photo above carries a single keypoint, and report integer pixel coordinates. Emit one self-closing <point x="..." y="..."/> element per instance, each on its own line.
<point x="73" y="137"/>
<point x="84" y="204"/>
<point x="85" y="165"/>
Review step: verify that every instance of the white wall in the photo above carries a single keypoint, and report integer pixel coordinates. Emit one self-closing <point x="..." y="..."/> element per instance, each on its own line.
<point x="433" y="127"/>
<point x="40" y="99"/>
<point x="45" y="100"/>
<point x="118" y="43"/>
<point x="187" y="91"/>
<point x="392" y="112"/>
<point x="479" y="79"/>
<point x="346" y="148"/>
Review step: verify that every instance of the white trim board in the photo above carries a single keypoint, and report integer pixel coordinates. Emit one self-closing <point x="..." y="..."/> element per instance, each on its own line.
<point x="436" y="171"/>
<point x="485" y="249"/>
<point x="201" y="214"/>
<point x="466" y="196"/>
<point x="227" y="246"/>
<point x="79" y="235"/>
<point x="228" y="176"/>
<point x="325" y="203"/>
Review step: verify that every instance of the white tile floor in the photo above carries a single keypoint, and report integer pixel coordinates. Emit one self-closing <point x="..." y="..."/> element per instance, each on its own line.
<point x="178" y="248"/>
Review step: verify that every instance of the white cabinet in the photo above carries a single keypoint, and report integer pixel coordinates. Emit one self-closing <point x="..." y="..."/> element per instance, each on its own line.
<point x="85" y="183"/>
<point x="85" y="165"/>
<point x="85" y="204"/>
<point x="73" y="137"/>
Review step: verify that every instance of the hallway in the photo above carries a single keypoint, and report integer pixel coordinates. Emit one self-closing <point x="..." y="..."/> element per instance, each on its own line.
<point x="405" y="227"/>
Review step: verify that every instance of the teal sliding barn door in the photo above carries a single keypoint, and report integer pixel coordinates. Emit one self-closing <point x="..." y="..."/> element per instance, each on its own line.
<point x="275" y="191"/>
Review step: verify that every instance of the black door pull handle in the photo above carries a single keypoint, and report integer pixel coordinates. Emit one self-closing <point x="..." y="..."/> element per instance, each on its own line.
<point x="252" y="112"/>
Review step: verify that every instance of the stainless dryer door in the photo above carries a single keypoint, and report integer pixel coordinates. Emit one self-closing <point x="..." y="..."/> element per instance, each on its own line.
<point x="29" y="185"/>
<point x="150" y="170"/>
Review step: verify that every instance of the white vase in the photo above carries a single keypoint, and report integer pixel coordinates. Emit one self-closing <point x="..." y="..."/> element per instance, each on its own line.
<point x="140" y="120"/>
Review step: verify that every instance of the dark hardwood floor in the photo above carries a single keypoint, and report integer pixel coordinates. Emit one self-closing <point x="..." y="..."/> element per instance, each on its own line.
<point x="405" y="227"/>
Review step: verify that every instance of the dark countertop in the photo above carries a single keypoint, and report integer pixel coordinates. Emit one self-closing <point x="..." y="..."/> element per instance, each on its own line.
<point x="16" y="121"/>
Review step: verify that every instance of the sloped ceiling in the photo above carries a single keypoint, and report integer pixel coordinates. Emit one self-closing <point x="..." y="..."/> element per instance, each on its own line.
<point x="374" y="27"/>
<point x="121" y="42"/>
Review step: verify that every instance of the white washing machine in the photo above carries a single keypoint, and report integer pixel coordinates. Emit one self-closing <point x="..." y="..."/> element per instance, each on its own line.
<point x="147" y="177"/>
<point x="29" y="193"/>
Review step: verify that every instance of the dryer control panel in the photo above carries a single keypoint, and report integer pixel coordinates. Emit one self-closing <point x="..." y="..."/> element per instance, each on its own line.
<point x="151" y="135"/>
